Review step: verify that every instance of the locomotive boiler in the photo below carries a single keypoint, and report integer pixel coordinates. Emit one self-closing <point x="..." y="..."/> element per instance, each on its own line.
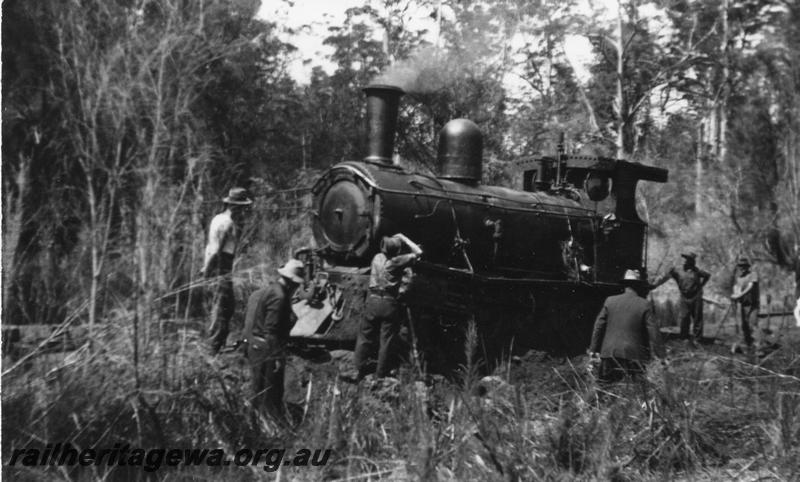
<point x="518" y="268"/>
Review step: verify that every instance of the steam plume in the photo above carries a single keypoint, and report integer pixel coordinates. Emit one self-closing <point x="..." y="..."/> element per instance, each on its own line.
<point x="422" y="72"/>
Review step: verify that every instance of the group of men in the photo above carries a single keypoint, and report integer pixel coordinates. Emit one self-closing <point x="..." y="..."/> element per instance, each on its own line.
<point x="268" y="315"/>
<point x="268" y="318"/>
<point x="626" y="334"/>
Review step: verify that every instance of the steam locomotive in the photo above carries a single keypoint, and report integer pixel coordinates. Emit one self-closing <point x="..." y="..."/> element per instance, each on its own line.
<point x="508" y="269"/>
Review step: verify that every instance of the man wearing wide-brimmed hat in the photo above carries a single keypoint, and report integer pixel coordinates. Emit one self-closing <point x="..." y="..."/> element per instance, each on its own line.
<point x="746" y="293"/>
<point x="223" y="239"/>
<point x="626" y="333"/>
<point x="267" y="324"/>
<point x="690" y="280"/>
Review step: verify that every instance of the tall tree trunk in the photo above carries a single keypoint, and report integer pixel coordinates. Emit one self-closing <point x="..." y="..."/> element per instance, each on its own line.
<point x="94" y="226"/>
<point x="619" y="100"/>
<point x="12" y="226"/>
<point x="438" y="24"/>
<point x="722" y="106"/>
<point x="144" y="247"/>
<point x="303" y="149"/>
<point x="698" y="179"/>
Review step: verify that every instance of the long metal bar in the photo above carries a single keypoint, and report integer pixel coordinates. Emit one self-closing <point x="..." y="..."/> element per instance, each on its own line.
<point x="530" y="281"/>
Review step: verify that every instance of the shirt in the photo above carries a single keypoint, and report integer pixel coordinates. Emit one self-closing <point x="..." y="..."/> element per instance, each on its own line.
<point x="387" y="273"/>
<point x="269" y="312"/>
<point x="752" y="296"/>
<point x="221" y="236"/>
<point x="690" y="281"/>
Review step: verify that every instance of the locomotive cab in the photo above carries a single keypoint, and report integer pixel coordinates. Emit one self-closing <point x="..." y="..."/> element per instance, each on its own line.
<point x="594" y="175"/>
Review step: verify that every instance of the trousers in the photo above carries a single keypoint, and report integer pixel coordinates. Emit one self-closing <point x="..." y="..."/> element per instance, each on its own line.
<point x="749" y="319"/>
<point x="690" y="312"/>
<point x="267" y="359"/>
<point x="615" y="369"/>
<point x="223" y="302"/>
<point x="380" y="324"/>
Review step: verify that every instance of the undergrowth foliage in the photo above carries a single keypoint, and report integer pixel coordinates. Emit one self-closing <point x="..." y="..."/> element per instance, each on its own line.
<point x="536" y="418"/>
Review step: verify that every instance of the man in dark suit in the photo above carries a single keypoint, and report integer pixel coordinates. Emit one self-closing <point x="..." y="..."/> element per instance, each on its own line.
<point x="268" y="321"/>
<point x="625" y="332"/>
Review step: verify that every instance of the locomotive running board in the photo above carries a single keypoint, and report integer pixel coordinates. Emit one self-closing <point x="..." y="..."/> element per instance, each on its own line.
<point x="527" y="281"/>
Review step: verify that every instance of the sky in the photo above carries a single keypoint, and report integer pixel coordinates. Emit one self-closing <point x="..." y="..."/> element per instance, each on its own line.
<point x="310" y="18"/>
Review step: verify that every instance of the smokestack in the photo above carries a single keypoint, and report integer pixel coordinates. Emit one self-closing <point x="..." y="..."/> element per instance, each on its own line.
<point x="382" y="105"/>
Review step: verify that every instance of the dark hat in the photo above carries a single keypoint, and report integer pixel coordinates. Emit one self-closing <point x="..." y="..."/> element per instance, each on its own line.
<point x="632" y="276"/>
<point x="391" y="245"/>
<point x="690" y="255"/>
<point x="743" y="261"/>
<point x="238" y="196"/>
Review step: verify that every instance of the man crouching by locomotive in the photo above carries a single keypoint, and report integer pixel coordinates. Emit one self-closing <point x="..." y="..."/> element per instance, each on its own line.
<point x="626" y="332"/>
<point x="383" y="310"/>
<point x="267" y="325"/>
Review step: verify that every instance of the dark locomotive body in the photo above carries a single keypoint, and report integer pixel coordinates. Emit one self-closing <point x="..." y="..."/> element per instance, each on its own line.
<point x="529" y="267"/>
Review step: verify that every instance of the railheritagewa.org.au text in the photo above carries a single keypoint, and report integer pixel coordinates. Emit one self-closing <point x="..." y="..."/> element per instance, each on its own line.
<point x="151" y="460"/>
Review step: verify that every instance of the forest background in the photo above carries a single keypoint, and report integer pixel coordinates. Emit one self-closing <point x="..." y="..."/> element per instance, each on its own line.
<point x="126" y="121"/>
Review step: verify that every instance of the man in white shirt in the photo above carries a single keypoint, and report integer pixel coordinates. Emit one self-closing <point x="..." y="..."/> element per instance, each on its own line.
<point x="797" y="313"/>
<point x="223" y="237"/>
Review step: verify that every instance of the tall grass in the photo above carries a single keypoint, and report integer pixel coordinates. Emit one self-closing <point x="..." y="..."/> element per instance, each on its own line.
<point x="708" y="415"/>
<point x="147" y="382"/>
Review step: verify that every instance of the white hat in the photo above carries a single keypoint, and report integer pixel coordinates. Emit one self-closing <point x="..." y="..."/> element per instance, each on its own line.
<point x="632" y="275"/>
<point x="294" y="269"/>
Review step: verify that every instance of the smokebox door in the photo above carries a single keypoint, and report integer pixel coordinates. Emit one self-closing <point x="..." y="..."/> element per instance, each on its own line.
<point x="344" y="216"/>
